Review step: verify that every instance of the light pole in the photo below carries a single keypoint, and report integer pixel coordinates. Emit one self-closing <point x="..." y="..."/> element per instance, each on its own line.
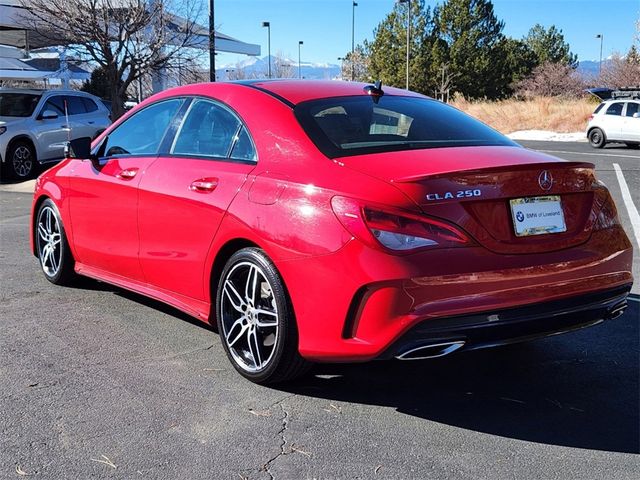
<point x="268" y="25"/>
<point x="353" y="43"/>
<point x="300" y="43"/>
<point x="212" y="44"/>
<point x="408" y="2"/>
<point x="601" y="37"/>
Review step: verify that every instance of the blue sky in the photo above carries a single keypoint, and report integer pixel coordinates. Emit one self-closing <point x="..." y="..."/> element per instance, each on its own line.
<point x="325" y="25"/>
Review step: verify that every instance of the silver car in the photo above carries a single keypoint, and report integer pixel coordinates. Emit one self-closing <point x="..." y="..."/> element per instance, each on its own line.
<point x="616" y="120"/>
<point x="36" y="124"/>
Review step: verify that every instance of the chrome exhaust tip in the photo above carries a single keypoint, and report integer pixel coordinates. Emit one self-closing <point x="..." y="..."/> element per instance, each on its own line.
<point x="616" y="312"/>
<point x="433" y="350"/>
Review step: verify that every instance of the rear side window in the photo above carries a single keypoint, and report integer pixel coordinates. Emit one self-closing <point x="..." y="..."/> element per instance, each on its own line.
<point x="89" y="105"/>
<point x="632" y="108"/>
<point x="598" y="108"/>
<point x="211" y="130"/>
<point x="75" y="105"/>
<point x="142" y="133"/>
<point x="55" y="104"/>
<point x="357" y="125"/>
<point x="615" y="108"/>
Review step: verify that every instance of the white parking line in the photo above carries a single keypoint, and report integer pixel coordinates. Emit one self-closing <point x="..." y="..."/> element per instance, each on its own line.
<point x="591" y="154"/>
<point x="631" y="208"/>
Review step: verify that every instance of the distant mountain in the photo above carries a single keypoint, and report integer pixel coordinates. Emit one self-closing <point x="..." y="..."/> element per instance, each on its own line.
<point x="254" y="67"/>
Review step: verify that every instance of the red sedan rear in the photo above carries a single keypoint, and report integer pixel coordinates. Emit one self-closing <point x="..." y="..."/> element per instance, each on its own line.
<point x="333" y="221"/>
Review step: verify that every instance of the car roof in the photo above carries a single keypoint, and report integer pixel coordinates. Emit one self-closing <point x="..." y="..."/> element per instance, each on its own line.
<point x="40" y="91"/>
<point x="296" y="91"/>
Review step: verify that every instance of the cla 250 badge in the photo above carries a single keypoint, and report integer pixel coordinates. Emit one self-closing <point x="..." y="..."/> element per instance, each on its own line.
<point x="458" y="194"/>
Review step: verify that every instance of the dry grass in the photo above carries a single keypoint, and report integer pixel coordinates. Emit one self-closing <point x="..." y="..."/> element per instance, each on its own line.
<point x="551" y="114"/>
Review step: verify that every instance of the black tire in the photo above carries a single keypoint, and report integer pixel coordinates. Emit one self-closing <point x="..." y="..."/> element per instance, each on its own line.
<point x="632" y="145"/>
<point x="255" y="320"/>
<point x="597" y="138"/>
<point x="21" y="162"/>
<point x="52" y="247"/>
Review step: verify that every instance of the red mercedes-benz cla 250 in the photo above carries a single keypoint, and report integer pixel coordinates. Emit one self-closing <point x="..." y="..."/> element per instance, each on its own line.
<point x="332" y="221"/>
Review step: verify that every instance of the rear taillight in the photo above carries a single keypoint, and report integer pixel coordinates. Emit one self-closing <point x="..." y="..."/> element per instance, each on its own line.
<point x="396" y="230"/>
<point x="605" y="211"/>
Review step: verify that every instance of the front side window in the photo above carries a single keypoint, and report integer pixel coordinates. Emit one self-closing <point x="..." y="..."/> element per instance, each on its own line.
<point x="357" y="125"/>
<point x="632" y="107"/>
<point x="211" y="130"/>
<point x="18" y="104"/>
<point x="142" y="133"/>
<point x="615" y="109"/>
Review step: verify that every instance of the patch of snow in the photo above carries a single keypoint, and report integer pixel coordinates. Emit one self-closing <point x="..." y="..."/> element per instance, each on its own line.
<point x="546" y="136"/>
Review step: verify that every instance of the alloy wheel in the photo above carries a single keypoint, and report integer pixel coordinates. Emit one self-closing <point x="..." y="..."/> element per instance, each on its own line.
<point x="49" y="241"/>
<point x="249" y="317"/>
<point x="22" y="161"/>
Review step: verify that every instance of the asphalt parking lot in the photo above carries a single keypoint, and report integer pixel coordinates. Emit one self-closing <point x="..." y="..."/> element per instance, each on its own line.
<point x="96" y="382"/>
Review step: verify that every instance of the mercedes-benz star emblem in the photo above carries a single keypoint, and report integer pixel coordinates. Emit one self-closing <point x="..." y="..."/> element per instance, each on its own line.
<point x="545" y="180"/>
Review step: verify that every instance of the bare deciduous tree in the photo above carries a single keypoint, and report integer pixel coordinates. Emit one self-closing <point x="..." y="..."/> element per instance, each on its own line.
<point x="282" y="67"/>
<point x="551" y="80"/>
<point x="127" y="38"/>
<point x="621" y="72"/>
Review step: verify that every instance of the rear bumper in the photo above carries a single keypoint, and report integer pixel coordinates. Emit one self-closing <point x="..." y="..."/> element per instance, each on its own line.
<point x="501" y="327"/>
<point x="354" y="304"/>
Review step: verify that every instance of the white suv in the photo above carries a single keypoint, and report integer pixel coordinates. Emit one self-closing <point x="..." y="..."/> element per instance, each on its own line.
<point x="616" y="120"/>
<point x="36" y="124"/>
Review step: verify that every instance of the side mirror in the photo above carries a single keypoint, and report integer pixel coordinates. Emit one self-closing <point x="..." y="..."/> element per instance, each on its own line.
<point x="636" y="115"/>
<point x="78" y="148"/>
<point x="48" y="115"/>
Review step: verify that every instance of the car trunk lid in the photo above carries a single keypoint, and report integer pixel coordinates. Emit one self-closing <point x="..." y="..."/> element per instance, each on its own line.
<point x="473" y="188"/>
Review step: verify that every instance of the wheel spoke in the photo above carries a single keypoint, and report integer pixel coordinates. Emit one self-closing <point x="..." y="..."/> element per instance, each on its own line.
<point x="254" y="347"/>
<point x="42" y="232"/>
<point x="54" y="260"/>
<point x="55" y="239"/>
<point x="272" y="322"/>
<point x="237" y="324"/>
<point x="250" y="289"/>
<point x="46" y="253"/>
<point x="49" y="229"/>
<point x="237" y="302"/>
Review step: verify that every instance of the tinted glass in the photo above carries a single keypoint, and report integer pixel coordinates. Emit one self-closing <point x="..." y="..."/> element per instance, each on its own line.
<point x="208" y="131"/>
<point x="598" y="108"/>
<point x="357" y="125"/>
<point x="615" y="109"/>
<point x="55" y="104"/>
<point x="243" y="148"/>
<point x="89" y="105"/>
<point x="632" y="108"/>
<point x="75" y="105"/>
<point x="18" y="104"/>
<point x="142" y="133"/>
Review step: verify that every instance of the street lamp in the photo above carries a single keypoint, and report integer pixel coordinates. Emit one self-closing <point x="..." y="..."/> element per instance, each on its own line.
<point x="601" y="37"/>
<point x="353" y="45"/>
<point x="268" y="25"/>
<point x="408" y="2"/>
<point x="212" y="44"/>
<point x="300" y="43"/>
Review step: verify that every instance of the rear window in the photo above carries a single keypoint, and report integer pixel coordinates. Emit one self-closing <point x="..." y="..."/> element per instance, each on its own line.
<point x="345" y="126"/>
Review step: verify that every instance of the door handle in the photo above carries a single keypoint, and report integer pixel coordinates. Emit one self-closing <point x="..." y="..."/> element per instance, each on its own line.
<point x="204" y="185"/>
<point x="127" y="173"/>
<point x="91" y="123"/>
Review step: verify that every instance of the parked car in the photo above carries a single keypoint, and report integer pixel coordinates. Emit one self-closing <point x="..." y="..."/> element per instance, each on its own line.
<point x="36" y="124"/>
<point x="331" y="221"/>
<point x="616" y="120"/>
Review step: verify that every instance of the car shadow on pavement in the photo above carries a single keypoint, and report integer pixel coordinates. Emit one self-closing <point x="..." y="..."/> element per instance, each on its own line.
<point x="576" y="390"/>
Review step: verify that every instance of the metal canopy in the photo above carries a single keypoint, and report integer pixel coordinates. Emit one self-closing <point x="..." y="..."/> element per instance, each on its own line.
<point x="13" y="33"/>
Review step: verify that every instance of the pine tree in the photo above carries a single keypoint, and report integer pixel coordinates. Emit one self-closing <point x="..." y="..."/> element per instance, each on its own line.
<point x="471" y="43"/>
<point x="549" y="46"/>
